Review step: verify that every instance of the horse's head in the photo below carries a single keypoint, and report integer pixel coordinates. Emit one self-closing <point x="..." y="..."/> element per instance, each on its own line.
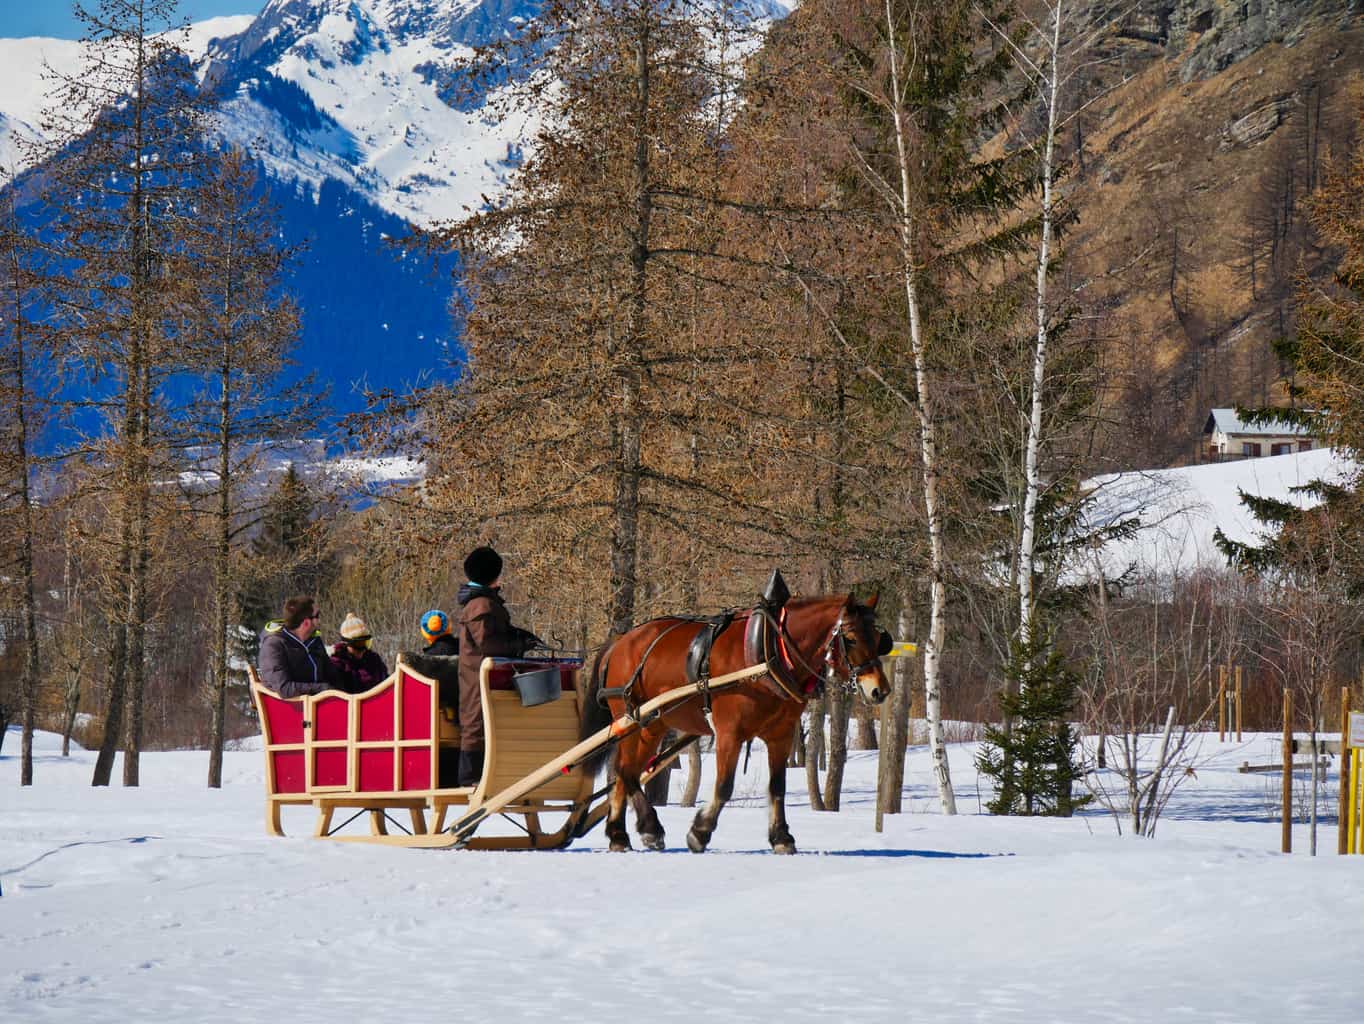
<point x="859" y="644"/>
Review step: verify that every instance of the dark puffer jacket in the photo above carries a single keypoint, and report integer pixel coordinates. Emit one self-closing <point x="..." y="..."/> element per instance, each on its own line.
<point x="293" y="667"/>
<point x="444" y="646"/>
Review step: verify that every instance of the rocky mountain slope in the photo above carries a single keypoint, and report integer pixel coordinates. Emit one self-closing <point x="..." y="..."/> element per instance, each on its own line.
<point x="1209" y="124"/>
<point x="364" y="92"/>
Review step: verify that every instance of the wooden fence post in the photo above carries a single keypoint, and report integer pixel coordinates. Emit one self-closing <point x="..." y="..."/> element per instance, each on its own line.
<point x="1287" y="837"/>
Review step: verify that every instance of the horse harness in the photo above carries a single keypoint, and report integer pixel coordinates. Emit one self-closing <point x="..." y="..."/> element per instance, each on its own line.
<point x="766" y="640"/>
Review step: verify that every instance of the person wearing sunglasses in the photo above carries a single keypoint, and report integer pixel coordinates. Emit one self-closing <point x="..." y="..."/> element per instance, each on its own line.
<point x="357" y="666"/>
<point x="293" y="659"/>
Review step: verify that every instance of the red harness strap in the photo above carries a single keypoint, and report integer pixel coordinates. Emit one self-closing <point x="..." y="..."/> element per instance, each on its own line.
<point x="811" y="683"/>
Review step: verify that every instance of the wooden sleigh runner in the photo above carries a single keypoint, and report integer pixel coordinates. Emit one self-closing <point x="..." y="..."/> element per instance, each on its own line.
<point x="380" y="752"/>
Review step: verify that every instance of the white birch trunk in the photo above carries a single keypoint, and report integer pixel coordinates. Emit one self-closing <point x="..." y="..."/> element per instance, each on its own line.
<point x="1032" y="480"/>
<point x="937" y="613"/>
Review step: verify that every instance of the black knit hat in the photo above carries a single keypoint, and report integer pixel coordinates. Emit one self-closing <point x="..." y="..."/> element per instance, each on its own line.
<point x="483" y="566"/>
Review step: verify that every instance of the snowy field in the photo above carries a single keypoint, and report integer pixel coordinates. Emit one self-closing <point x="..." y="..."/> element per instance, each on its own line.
<point x="169" y="903"/>
<point x="1179" y="509"/>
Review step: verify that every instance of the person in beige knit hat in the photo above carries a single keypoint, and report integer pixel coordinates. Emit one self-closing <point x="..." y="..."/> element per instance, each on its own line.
<point x="357" y="666"/>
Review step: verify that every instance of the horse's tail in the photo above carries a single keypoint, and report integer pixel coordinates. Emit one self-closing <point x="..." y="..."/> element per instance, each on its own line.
<point x="595" y="714"/>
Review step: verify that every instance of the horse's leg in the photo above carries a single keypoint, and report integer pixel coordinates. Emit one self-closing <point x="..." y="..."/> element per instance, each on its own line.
<point x="631" y="756"/>
<point x="778" y="749"/>
<point x="726" y="764"/>
<point x="615" y="811"/>
<point x="646" y="818"/>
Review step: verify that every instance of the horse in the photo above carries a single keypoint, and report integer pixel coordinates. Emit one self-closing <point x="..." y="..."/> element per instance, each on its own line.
<point x="802" y="641"/>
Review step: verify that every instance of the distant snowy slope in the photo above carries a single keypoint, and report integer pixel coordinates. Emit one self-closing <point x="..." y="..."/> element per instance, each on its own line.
<point x="24" y="85"/>
<point x="363" y="92"/>
<point x="354" y="111"/>
<point x="1181" y="508"/>
<point x="378" y="76"/>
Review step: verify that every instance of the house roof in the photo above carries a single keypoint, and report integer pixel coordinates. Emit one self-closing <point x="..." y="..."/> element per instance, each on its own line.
<point x="1226" y="421"/>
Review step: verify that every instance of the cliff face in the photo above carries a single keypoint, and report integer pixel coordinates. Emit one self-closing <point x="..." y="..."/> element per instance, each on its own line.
<point x="1218" y="33"/>
<point x="1197" y="135"/>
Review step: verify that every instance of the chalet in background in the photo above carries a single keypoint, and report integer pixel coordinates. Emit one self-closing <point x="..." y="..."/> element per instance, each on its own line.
<point x="1227" y="436"/>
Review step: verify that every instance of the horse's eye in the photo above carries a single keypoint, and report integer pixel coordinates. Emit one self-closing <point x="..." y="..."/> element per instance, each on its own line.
<point x="885" y="645"/>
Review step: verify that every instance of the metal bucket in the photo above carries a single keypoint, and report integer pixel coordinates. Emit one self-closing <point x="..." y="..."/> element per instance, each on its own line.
<point x="539" y="686"/>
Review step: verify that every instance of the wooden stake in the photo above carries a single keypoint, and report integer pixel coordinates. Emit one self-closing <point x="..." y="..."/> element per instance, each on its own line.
<point x="1238" y="703"/>
<point x="1221" y="703"/>
<point x="1343" y="811"/>
<point x="1287" y="838"/>
<point x="883" y="764"/>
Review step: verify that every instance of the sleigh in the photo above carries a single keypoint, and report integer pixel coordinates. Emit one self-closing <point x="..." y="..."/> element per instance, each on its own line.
<point x="386" y="754"/>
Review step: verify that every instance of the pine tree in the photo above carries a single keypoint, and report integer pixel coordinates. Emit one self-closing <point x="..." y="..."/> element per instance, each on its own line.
<point x="591" y="419"/>
<point x="1325" y="359"/>
<point x="1034" y="762"/>
<point x="288" y="554"/>
<point x="1326" y="353"/>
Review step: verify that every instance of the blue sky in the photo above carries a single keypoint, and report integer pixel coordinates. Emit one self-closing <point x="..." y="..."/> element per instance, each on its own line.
<point x="53" y="17"/>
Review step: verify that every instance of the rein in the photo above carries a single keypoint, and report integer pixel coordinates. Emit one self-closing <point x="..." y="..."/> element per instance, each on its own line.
<point x="792" y="687"/>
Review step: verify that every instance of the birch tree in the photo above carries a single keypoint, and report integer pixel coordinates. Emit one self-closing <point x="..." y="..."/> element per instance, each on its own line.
<point x="915" y="89"/>
<point x="1050" y="55"/>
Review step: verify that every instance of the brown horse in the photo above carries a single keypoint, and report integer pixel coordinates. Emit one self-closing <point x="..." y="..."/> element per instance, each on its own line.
<point x="803" y="641"/>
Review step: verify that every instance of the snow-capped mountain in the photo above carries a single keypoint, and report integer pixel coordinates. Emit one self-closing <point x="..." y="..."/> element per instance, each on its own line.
<point x="364" y="92"/>
<point x="354" y="111"/>
<point x="25" y="84"/>
<point x="359" y="91"/>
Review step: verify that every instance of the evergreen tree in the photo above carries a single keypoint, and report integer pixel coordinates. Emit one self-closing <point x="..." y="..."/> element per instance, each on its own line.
<point x="1323" y="544"/>
<point x="591" y="419"/>
<point x="1326" y="353"/>
<point x="288" y="555"/>
<point x="1034" y="763"/>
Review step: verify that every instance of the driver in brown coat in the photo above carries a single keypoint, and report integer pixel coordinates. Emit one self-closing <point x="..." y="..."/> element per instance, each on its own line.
<point x="485" y="631"/>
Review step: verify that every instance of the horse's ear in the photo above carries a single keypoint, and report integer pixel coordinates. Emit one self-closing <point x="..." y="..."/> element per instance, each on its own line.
<point x="871" y="601"/>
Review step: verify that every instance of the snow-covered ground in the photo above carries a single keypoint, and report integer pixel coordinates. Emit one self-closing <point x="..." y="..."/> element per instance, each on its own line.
<point x="170" y="903"/>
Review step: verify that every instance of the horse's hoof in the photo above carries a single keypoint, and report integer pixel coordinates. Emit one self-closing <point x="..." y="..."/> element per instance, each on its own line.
<point x="653" y="842"/>
<point x="784" y="848"/>
<point x="695" y="843"/>
<point x="618" y="847"/>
